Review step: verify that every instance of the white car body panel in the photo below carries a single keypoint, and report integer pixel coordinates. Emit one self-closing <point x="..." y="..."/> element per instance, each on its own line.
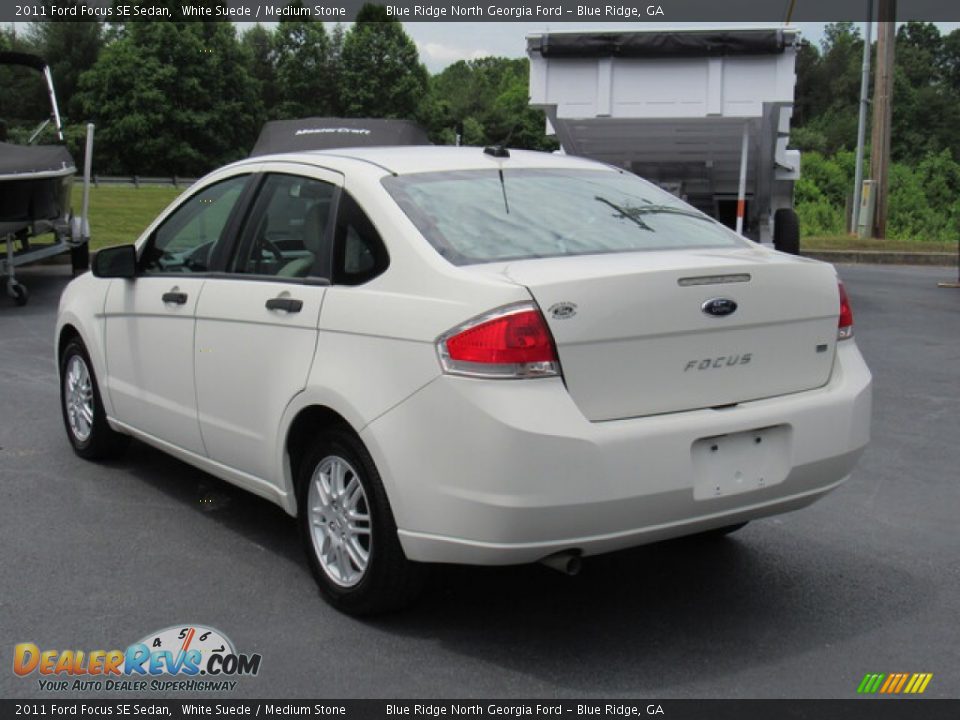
<point x="639" y="343"/>
<point x="256" y="485"/>
<point x="149" y="352"/>
<point x="545" y="479"/>
<point x="494" y="471"/>
<point x="249" y="361"/>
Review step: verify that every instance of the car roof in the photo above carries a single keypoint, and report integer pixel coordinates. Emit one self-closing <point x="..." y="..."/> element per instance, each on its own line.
<point x="409" y="159"/>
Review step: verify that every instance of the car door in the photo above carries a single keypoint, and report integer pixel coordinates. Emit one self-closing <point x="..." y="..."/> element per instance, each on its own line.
<point x="149" y="321"/>
<point x="256" y="330"/>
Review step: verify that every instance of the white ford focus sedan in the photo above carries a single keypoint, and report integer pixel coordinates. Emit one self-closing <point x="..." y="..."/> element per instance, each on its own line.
<point x="458" y="355"/>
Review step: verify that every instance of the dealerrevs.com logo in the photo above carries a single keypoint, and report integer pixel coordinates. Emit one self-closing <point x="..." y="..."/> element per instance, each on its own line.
<point x="187" y="658"/>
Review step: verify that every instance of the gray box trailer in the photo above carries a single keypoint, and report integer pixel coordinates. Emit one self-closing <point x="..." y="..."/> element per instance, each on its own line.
<point x="704" y="113"/>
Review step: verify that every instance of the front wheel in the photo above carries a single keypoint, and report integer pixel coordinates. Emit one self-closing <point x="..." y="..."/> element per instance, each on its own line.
<point x="89" y="433"/>
<point x="348" y="529"/>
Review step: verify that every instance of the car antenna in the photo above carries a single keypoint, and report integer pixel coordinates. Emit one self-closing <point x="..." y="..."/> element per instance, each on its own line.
<point x="497" y="151"/>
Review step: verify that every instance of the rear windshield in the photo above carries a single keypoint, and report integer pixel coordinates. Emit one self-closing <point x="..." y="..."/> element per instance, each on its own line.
<point x="479" y="216"/>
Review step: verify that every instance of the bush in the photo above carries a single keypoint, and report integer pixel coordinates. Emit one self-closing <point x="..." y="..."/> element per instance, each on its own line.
<point x="923" y="204"/>
<point x="829" y="174"/>
<point x="909" y="216"/>
<point x="820" y="218"/>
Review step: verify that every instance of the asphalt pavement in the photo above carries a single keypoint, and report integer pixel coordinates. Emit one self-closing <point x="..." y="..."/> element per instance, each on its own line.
<point x="800" y="606"/>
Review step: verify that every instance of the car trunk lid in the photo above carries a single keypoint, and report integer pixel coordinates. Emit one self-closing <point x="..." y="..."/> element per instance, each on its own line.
<point x="634" y="335"/>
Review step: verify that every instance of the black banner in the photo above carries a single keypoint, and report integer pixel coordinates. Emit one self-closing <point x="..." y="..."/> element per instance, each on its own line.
<point x="547" y="11"/>
<point x="861" y="709"/>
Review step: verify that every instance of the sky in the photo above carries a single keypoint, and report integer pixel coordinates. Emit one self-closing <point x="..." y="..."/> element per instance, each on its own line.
<point x="443" y="43"/>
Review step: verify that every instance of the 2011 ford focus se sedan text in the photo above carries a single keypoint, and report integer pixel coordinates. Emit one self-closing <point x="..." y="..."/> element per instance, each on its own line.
<point x="452" y="355"/>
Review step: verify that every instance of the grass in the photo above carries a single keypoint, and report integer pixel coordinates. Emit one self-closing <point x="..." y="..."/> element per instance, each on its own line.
<point x="119" y="213"/>
<point x="846" y="242"/>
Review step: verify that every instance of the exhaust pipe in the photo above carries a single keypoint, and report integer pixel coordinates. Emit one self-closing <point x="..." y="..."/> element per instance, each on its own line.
<point x="568" y="562"/>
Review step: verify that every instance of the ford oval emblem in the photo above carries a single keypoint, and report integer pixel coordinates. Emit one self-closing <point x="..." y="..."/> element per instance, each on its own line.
<point x="719" y="307"/>
<point x="562" y="310"/>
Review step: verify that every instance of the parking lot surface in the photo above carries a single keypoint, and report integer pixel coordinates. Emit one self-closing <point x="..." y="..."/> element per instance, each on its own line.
<point x="95" y="557"/>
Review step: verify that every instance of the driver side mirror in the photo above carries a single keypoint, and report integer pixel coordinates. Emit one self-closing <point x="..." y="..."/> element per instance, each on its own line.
<point x="116" y="262"/>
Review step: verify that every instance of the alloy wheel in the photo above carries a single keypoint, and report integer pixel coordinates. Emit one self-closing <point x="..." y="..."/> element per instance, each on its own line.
<point x="339" y="521"/>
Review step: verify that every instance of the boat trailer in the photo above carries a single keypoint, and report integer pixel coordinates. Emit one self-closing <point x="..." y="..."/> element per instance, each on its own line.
<point x="35" y="195"/>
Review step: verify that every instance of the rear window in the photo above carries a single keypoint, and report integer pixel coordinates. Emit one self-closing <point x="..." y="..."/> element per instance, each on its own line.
<point x="479" y="216"/>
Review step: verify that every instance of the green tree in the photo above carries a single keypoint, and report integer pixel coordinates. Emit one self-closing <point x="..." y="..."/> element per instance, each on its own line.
<point x="257" y="43"/>
<point x="834" y="115"/>
<point x="23" y="95"/>
<point x="950" y="60"/>
<point x="70" y="48"/>
<point x="809" y="93"/>
<point x="302" y="56"/>
<point x="171" y="97"/>
<point x="490" y="97"/>
<point x="382" y="73"/>
<point x="925" y="102"/>
<point x="335" y="67"/>
<point x="919" y="53"/>
<point x="926" y="97"/>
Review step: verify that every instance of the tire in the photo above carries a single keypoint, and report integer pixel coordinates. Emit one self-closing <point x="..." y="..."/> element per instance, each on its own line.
<point x="80" y="258"/>
<point x="363" y="572"/>
<point x="19" y="294"/>
<point x="84" y="418"/>
<point x="786" y="231"/>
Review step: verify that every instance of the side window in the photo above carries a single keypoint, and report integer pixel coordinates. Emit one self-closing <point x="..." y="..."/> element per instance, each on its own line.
<point x="287" y="233"/>
<point x="186" y="240"/>
<point x="359" y="254"/>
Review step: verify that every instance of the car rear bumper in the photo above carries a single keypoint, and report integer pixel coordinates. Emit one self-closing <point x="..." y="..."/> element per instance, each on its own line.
<point x="502" y="472"/>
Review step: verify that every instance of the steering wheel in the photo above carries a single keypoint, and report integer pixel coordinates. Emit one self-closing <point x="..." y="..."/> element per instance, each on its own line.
<point x="163" y="260"/>
<point x="269" y="246"/>
<point x="198" y="259"/>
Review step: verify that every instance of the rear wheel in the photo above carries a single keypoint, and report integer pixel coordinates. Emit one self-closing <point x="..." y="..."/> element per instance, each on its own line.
<point x="85" y="420"/>
<point x="348" y="529"/>
<point x="786" y="231"/>
<point x="80" y="258"/>
<point x="18" y="292"/>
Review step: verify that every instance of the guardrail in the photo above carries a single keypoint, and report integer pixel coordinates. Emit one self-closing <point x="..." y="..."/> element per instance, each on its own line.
<point x="137" y="180"/>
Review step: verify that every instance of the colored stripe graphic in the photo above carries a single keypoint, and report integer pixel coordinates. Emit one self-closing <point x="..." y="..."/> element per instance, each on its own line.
<point x="870" y="683"/>
<point x="900" y="683"/>
<point x="894" y="683"/>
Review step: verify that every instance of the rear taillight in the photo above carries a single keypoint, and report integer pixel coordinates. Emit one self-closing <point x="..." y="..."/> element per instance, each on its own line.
<point x="511" y="342"/>
<point x="845" y="325"/>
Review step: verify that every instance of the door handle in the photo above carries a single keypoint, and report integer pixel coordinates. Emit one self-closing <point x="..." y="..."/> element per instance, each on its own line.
<point x="178" y="298"/>
<point x="290" y="305"/>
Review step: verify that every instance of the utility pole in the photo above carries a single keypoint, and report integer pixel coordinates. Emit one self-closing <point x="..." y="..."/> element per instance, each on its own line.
<point x="882" y="112"/>
<point x="862" y="122"/>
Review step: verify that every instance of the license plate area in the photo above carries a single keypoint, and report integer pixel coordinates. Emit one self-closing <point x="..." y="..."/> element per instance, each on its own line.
<point x="740" y="462"/>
